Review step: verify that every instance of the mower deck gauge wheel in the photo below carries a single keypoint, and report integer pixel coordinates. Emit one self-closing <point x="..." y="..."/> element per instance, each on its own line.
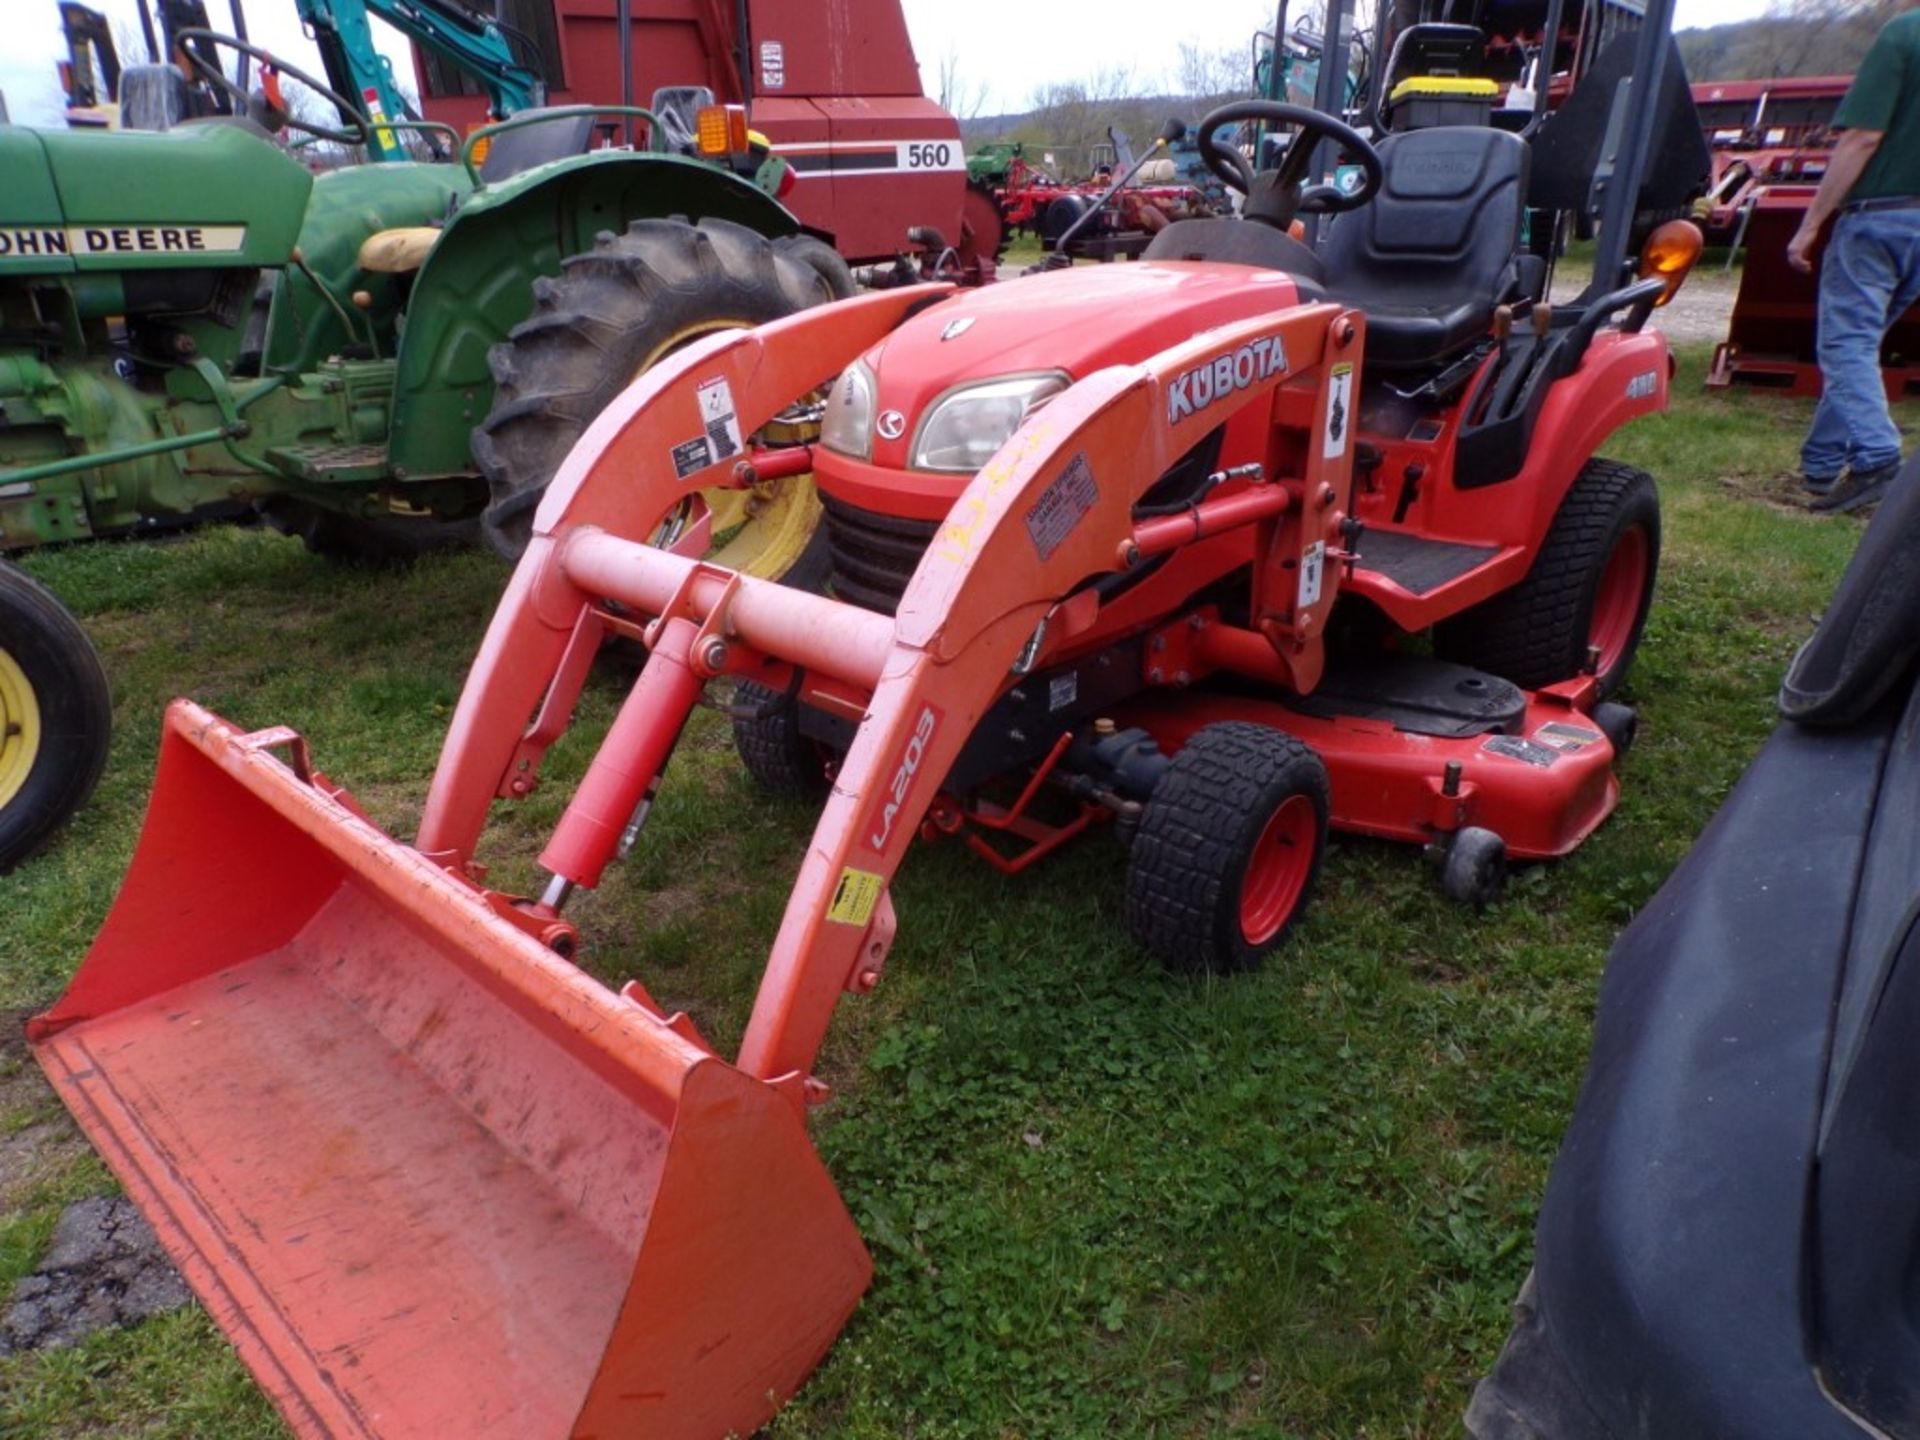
<point x="1474" y="869"/>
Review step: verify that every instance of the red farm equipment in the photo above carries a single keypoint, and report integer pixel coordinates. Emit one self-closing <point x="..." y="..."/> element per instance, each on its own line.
<point x="1771" y="140"/>
<point x="835" y="89"/>
<point x="1140" y="542"/>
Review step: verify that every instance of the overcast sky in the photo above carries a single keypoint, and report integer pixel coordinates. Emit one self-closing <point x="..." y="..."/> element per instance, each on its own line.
<point x="1058" y="41"/>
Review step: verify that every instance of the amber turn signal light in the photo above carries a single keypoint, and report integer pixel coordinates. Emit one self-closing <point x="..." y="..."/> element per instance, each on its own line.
<point x="1669" y="253"/>
<point x="721" y="130"/>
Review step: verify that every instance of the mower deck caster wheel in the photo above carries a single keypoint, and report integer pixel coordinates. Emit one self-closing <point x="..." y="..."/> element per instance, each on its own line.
<point x="1227" y="849"/>
<point x="1619" y="723"/>
<point x="1474" y="868"/>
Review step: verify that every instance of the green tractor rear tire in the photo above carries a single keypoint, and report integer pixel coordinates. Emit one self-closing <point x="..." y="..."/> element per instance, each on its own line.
<point x="56" y="716"/>
<point x="609" y="315"/>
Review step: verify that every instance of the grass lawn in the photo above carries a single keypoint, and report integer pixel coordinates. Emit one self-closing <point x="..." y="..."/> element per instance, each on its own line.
<point x="1102" y="1201"/>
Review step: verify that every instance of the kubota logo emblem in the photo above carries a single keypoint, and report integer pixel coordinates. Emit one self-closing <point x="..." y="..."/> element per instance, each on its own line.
<point x="892" y="425"/>
<point x="1203" y="385"/>
<point x="897" y="789"/>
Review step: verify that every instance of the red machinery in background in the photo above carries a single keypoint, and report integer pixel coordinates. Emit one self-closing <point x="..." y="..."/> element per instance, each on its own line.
<point x="1771" y="141"/>
<point x="835" y="88"/>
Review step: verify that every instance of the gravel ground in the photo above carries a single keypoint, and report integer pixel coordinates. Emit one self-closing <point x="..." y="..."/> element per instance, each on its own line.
<point x="1697" y="315"/>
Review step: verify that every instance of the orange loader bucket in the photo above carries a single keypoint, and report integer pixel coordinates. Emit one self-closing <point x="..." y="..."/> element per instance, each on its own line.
<point x="432" y="1180"/>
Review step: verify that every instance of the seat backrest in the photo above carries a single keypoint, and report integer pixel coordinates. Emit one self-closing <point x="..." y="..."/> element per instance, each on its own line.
<point x="558" y="138"/>
<point x="153" y="97"/>
<point x="1445" y="227"/>
<point x="678" y="107"/>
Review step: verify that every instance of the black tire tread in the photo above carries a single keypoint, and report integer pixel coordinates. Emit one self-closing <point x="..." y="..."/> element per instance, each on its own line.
<point x="593" y="325"/>
<point x="76" y="713"/>
<point x="1536" y="633"/>
<point x="1189" y="857"/>
<point x="766" y="734"/>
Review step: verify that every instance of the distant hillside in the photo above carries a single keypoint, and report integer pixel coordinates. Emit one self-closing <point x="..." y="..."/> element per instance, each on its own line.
<point x="1826" y="37"/>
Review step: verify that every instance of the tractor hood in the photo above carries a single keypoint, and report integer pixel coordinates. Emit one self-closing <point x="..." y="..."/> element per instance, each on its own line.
<point x="1070" y="322"/>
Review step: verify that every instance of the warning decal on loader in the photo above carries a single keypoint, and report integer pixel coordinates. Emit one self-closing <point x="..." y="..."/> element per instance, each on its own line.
<point x="1061" y="505"/>
<point x="1339" y="412"/>
<point x="855" y="896"/>
<point x="721" y="420"/>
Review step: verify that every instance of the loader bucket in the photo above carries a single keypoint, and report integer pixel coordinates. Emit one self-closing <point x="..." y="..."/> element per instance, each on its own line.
<point x="432" y="1180"/>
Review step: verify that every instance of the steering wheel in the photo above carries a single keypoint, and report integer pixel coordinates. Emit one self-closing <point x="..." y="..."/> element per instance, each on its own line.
<point x="1275" y="196"/>
<point x="210" y="72"/>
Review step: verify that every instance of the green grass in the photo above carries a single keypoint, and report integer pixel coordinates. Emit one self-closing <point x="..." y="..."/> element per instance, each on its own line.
<point x="1102" y="1201"/>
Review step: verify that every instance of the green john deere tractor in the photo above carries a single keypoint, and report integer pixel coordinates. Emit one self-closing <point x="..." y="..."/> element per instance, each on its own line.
<point x="192" y="322"/>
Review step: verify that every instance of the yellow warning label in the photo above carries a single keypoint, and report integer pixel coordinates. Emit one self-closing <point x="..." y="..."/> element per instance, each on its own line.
<point x="855" y="896"/>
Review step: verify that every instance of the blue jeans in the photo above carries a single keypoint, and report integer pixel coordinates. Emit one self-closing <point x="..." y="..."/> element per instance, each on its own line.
<point x="1869" y="279"/>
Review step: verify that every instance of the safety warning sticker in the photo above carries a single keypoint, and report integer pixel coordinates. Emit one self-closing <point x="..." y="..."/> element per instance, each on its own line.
<point x="1563" y="736"/>
<point x="720" y="418"/>
<point x="1313" y="565"/>
<point x="1339" y="412"/>
<point x="855" y="896"/>
<point x="773" y="65"/>
<point x="1063" y="690"/>
<point x="1514" y="748"/>
<point x="1061" y="505"/>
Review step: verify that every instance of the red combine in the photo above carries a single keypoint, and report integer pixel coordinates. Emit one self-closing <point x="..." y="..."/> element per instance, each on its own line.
<point x="836" y="90"/>
<point x="1771" y="140"/>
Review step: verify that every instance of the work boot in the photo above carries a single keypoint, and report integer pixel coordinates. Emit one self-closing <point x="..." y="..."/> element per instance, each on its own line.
<point x="1816" y="484"/>
<point x="1860" y="488"/>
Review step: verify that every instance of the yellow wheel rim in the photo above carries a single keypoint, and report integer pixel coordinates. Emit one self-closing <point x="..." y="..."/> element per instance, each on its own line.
<point x="760" y="532"/>
<point x="19" y="728"/>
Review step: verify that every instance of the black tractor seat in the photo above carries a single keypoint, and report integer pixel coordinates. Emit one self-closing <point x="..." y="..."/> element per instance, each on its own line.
<point x="1437" y="250"/>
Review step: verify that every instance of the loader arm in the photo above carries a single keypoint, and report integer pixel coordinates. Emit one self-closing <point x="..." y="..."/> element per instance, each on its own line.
<point x="1051" y="511"/>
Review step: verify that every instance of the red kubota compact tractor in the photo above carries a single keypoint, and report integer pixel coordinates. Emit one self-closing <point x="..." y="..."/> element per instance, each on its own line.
<point x="1141" y="536"/>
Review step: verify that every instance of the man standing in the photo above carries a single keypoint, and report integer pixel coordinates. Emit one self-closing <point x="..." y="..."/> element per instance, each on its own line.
<point x="1871" y="273"/>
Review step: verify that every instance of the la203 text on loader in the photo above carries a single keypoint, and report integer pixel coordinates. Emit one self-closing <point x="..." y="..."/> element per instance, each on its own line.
<point x="432" y="1179"/>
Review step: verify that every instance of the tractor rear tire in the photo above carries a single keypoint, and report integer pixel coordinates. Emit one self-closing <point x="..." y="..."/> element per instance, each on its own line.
<point x="610" y="314"/>
<point x="823" y="260"/>
<point x="56" y="716"/>
<point x="1228" y="849"/>
<point x="766" y="733"/>
<point x="1591" y="584"/>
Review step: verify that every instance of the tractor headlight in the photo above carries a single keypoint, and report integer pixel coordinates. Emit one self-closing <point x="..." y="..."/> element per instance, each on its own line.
<point x="965" y="427"/>
<point x="847" y="427"/>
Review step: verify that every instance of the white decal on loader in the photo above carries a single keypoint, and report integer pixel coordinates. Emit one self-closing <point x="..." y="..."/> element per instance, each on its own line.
<point x="1194" y="390"/>
<point x="38" y="241"/>
<point x="902" y="782"/>
<point x="1646" y="383"/>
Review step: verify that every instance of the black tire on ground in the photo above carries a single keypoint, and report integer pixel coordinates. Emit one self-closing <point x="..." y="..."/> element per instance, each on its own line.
<point x="46" y="661"/>
<point x="822" y="259"/>
<point x="766" y="733"/>
<point x="1474" y="869"/>
<point x="1228" y="848"/>
<point x="1538" y="632"/>
<point x="608" y="315"/>
<point x="394" y="540"/>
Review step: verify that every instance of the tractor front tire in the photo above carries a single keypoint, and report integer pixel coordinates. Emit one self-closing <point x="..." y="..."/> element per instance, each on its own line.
<point x="609" y="315"/>
<point x="1591" y="585"/>
<point x="767" y="737"/>
<point x="56" y="716"/>
<point x="1228" y="848"/>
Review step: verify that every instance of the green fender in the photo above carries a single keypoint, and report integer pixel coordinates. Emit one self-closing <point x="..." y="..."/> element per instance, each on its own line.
<point x="477" y="282"/>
